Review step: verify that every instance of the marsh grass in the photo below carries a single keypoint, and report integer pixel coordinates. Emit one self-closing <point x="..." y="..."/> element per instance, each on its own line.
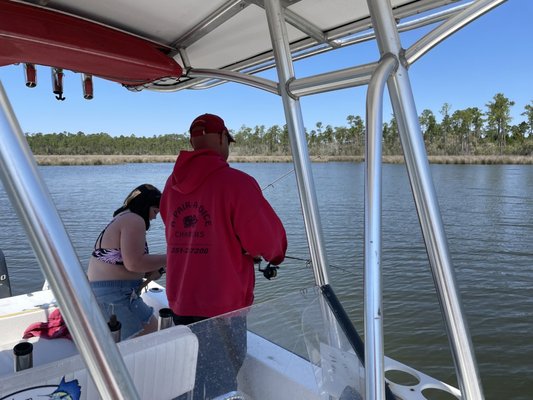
<point x="124" y="159"/>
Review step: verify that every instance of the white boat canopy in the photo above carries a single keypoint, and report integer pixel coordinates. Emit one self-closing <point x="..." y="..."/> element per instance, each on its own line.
<point x="212" y="40"/>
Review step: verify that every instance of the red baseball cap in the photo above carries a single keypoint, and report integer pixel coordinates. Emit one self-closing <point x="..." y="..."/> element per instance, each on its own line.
<point x="209" y="123"/>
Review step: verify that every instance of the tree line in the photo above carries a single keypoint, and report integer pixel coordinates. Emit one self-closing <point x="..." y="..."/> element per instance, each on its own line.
<point x="470" y="131"/>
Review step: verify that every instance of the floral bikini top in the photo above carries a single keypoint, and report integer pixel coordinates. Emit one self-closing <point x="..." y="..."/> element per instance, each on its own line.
<point x="110" y="256"/>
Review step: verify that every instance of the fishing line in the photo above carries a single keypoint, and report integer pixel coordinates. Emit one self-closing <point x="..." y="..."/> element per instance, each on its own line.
<point x="279" y="179"/>
<point x="308" y="263"/>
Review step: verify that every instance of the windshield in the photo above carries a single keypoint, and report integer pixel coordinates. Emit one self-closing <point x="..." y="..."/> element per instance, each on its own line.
<point x="288" y="345"/>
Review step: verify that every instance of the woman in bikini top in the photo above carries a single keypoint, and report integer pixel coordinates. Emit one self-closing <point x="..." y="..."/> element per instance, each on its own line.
<point x="120" y="260"/>
<point x="121" y="251"/>
<point x="110" y="256"/>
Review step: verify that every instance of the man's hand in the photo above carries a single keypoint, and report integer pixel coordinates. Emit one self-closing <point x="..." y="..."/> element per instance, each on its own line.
<point x="270" y="271"/>
<point x="155" y="275"/>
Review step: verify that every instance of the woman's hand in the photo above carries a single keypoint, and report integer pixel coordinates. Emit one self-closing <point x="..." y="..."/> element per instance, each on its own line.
<point x="155" y="275"/>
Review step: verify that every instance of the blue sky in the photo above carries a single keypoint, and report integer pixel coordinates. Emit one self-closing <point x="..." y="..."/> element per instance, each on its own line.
<point x="493" y="54"/>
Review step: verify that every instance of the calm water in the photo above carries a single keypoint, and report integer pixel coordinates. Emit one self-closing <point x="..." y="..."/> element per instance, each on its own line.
<point x="488" y="216"/>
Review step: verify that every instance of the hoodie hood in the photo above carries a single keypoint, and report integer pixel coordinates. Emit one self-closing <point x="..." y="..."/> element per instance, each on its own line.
<point x="192" y="168"/>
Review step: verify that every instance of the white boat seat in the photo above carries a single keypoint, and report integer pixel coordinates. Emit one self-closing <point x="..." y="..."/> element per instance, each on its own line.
<point x="162" y="366"/>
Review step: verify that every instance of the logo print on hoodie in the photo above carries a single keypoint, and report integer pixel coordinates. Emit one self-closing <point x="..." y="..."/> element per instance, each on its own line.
<point x="189" y="221"/>
<point x="188" y="226"/>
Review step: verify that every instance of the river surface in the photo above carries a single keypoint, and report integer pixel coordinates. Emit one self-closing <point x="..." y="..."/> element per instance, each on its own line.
<point x="488" y="217"/>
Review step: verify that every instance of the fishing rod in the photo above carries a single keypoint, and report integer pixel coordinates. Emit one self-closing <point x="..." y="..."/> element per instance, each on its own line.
<point x="308" y="263"/>
<point x="279" y="179"/>
<point x="271" y="271"/>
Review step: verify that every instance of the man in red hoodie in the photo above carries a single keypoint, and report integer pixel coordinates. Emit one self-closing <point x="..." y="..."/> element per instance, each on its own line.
<point x="216" y="222"/>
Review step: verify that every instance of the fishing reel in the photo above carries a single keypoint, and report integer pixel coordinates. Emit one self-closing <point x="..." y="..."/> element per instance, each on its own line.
<point x="269" y="272"/>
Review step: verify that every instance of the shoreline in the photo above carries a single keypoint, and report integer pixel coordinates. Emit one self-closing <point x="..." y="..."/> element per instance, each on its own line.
<point x="93" y="159"/>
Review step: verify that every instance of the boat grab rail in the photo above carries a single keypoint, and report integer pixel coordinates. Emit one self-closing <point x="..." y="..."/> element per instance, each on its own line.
<point x="425" y="199"/>
<point x="373" y="305"/>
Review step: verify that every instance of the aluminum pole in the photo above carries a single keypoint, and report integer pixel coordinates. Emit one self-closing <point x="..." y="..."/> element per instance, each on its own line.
<point x="59" y="261"/>
<point x="295" y="125"/>
<point x="426" y="203"/>
<point x="449" y="27"/>
<point x="329" y="81"/>
<point x="374" y="348"/>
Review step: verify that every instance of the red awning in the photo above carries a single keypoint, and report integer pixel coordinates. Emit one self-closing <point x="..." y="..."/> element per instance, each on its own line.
<point x="30" y="34"/>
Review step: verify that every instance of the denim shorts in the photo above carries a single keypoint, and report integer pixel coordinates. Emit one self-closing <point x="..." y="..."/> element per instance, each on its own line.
<point x="120" y="297"/>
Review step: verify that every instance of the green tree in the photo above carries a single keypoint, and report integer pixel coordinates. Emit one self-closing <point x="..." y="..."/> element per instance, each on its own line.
<point x="466" y="125"/>
<point x="463" y="132"/>
<point x="430" y="129"/>
<point x="445" y="126"/>
<point x="518" y="133"/>
<point x="499" y="119"/>
<point x="528" y="113"/>
<point x="273" y="139"/>
<point x="356" y="133"/>
<point x="391" y="138"/>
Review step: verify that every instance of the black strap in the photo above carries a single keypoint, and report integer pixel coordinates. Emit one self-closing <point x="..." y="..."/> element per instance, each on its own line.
<point x="349" y="330"/>
<point x="101" y="236"/>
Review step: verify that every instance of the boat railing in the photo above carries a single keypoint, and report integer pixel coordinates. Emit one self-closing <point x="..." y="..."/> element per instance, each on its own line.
<point x="425" y="197"/>
<point x="374" y="346"/>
